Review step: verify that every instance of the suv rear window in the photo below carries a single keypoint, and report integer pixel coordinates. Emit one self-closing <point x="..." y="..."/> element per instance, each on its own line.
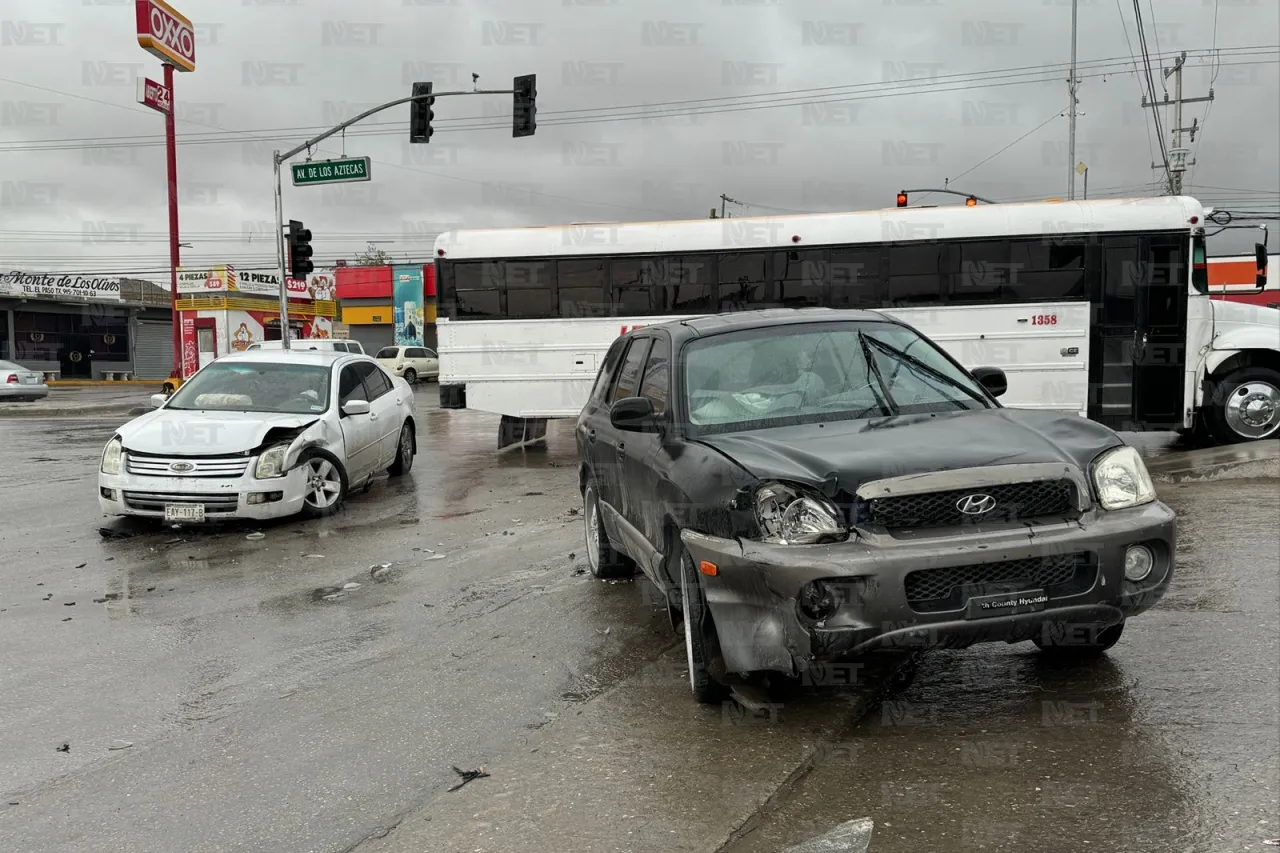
<point x="388" y="352"/>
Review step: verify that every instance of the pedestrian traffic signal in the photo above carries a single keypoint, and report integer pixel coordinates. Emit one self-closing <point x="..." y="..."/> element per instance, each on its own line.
<point x="421" y="114"/>
<point x="902" y="199"/>
<point x="524" y="118"/>
<point x="971" y="201"/>
<point x="300" y="265"/>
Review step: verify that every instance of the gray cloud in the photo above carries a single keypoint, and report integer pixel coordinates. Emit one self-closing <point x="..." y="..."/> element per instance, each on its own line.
<point x="840" y="131"/>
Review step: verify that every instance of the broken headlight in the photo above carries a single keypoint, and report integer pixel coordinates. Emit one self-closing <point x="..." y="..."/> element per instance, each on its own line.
<point x="1122" y="480"/>
<point x="788" y="515"/>
<point x="111" y="456"/>
<point x="271" y="463"/>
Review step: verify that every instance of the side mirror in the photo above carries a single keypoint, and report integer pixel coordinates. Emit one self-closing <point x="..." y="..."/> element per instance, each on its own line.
<point x="158" y="400"/>
<point x="356" y="407"/>
<point x="634" y="414"/>
<point x="993" y="379"/>
<point x="1260" y="252"/>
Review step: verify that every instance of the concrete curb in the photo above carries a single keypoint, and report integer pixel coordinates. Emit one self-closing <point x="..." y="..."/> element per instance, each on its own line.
<point x="1259" y="459"/>
<point x="14" y="412"/>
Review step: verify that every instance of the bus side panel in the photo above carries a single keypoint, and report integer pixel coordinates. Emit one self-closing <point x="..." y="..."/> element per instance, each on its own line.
<point x="529" y="368"/>
<point x="1043" y="348"/>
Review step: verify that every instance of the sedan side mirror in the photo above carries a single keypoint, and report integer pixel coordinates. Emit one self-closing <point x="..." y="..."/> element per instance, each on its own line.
<point x="993" y="379"/>
<point x="1260" y="253"/>
<point x="355" y="407"/>
<point x="158" y="400"/>
<point x="634" y="414"/>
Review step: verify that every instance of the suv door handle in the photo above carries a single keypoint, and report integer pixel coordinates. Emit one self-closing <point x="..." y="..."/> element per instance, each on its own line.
<point x="372" y="416"/>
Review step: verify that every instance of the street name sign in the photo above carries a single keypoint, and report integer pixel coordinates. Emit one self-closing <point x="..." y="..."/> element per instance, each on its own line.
<point x="342" y="171"/>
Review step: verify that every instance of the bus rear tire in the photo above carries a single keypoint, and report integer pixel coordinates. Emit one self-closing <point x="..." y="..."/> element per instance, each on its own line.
<point x="1245" y="405"/>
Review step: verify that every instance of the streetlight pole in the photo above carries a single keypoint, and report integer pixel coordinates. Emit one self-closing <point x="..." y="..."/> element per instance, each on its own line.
<point x="278" y="160"/>
<point x="1071" y="115"/>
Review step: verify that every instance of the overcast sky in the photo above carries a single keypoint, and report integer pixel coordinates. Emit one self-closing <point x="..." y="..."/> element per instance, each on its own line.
<point x="863" y="97"/>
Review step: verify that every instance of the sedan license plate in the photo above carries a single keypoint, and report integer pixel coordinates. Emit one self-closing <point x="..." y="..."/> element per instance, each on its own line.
<point x="30" y="380"/>
<point x="1005" y="604"/>
<point x="184" y="512"/>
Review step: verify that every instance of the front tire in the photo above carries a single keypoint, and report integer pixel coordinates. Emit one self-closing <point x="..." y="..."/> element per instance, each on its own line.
<point x="410" y="375"/>
<point x="1086" y="648"/>
<point x="605" y="562"/>
<point x="404" y="453"/>
<point x="701" y="643"/>
<point x="326" y="488"/>
<point x="1245" y="405"/>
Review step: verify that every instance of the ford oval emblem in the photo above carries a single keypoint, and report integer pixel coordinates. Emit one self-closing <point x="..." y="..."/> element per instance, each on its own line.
<point x="181" y="467"/>
<point x="976" y="504"/>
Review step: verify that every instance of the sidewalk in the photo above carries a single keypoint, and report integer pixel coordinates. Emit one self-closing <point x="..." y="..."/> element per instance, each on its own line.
<point x="99" y="399"/>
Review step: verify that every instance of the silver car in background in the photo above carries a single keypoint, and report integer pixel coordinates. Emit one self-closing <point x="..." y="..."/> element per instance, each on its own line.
<point x="261" y="435"/>
<point x="18" y="383"/>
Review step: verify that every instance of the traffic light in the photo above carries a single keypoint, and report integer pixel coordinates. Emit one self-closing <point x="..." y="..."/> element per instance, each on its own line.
<point x="902" y="199"/>
<point x="299" y="250"/>
<point x="524" y="118"/>
<point x="971" y="201"/>
<point x="421" y="114"/>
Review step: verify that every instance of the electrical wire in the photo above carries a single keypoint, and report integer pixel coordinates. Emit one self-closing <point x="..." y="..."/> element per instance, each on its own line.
<point x="1151" y="87"/>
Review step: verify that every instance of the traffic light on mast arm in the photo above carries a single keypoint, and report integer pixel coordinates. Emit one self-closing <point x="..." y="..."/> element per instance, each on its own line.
<point x="524" y="117"/>
<point x="902" y="199"/>
<point x="300" y="265"/>
<point x="421" y="114"/>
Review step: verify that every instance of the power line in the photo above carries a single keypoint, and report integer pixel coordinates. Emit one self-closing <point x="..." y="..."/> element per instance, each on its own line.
<point x="1151" y="87"/>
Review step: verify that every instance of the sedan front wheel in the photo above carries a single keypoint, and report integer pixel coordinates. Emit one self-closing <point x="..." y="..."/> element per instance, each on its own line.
<point x="326" y="487"/>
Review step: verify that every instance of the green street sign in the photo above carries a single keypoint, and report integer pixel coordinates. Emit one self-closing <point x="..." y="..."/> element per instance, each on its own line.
<point x="330" y="171"/>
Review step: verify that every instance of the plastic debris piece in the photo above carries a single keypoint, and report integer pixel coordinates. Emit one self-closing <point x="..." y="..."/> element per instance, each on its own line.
<point x="850" y="837"/>
<point x="437" y="556"/>
<point x="120" y="744"/>
<point x="333" y="597"/>
<point x="1270" y="842"/>
<point x="256" y="535"/>
<point x="468" y="776"/>
<point x="313" y="556"/>
<point x="351" y="586"/>
<point x="82" y="565"/>
<point x="68" y="604"/>
<point x="66" y="747"/>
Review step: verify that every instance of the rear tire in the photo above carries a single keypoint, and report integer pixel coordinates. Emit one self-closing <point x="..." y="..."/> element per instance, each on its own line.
<point x="404" y="452"/>
<point x="1082" y="648"/>
<point x="605" y="562"/>
<point x="410" y="375"/>
<point x="701" y="643"/>
<point x="1244" y="405"/>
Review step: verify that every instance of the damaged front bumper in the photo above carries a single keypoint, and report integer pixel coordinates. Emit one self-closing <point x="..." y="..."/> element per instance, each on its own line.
<point x="244" y="497"/>
<point x="887" y="591"/>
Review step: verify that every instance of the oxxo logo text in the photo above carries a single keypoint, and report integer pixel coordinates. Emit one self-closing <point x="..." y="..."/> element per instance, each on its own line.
<point x="168" y="37"/>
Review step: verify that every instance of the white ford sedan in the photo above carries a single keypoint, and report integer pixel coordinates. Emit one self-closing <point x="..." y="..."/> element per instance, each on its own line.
<point x="261" y="435"/>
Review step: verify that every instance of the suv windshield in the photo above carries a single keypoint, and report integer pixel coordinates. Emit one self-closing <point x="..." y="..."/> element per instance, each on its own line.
<point x="828" y="371"/>
<point x="299" y="389"/>
<point x="388" y="352"/>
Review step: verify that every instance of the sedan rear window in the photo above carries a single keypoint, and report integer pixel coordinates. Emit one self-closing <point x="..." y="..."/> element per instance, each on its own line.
<point x="828" y="371"/>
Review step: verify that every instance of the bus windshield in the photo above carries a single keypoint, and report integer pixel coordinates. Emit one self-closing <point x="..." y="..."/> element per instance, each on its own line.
<point x="828" y="371"/>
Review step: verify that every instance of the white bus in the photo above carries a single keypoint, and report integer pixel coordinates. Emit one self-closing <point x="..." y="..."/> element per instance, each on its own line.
<point x="1097" y="308"/>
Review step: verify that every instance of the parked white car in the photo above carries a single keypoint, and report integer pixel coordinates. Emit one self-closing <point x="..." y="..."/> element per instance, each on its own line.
<point x="261" y="435"/>
<point x="413" y="363"/>
<point x="18" y="383"/>
<point x="331" y="344"/>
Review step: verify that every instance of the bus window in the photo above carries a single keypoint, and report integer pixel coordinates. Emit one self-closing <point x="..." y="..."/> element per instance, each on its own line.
<point x="802" y="277"/>
<point x="528" y="284"/>
<point x="985" y="273"/>
<point x="1045" y="271"/>
<point x="692" y="288"/>
<point x="581" y="289"/>
<point x="917" y="274"/>
<point x="855" y="278"/>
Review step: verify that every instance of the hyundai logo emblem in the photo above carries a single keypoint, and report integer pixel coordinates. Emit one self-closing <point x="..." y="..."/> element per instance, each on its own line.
<point x="181" y="467"/>
<point x="976" y="504"/>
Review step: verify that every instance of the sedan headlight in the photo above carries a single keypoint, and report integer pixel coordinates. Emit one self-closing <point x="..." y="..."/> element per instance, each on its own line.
<point x="1122" y="480"/>
<point x="111" y="456"/>
<point x="271" y="462"/>
<point x="789" y="516"/>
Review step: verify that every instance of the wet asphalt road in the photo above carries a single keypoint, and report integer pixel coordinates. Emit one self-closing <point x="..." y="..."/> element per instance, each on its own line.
<point x="263" y="717"/>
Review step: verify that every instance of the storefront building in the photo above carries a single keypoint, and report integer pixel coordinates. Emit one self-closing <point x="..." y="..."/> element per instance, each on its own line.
<point x="71" y="326"/>
<point x="223" y="309"/>
<point x="388" y="305"/>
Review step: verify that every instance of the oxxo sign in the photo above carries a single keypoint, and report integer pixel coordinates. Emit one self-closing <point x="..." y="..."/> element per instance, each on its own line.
<point x="165" y="34"/>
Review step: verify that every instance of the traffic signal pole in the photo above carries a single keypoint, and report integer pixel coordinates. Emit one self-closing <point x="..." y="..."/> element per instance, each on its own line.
<point x="279" y="159"/>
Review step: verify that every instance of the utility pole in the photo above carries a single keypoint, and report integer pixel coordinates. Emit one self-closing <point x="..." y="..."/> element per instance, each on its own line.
<point x="1177" y="164"/>
<point x="724" y="198"/>
<point x="1071" y="114"/>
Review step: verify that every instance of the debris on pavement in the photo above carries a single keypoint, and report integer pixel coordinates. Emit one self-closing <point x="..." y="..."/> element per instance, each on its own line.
<point x="68" y="604"/>
<point x="850" y="837"/>
<point x="82" y="565"/>
<point x="119" y="744"/>
<point x="437" y="556"/>
<point x="67" y="619"/>
<point x="313" y="556"/>
<point x="112" y="533"/>
<point x="468" y="775"/>
<point x="66" y="747"/>
<point x="579" y="571"/>
<point x="351" y="585"/>
<point x="1272" y="842"/>
<point x="333" y="597"/>
<point x="256" y="535"/>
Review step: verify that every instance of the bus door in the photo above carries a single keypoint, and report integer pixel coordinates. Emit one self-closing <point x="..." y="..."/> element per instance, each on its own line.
<point x="1139" y="337"/>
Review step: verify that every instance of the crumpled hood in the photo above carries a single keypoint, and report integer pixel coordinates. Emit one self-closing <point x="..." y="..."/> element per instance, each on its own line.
<point x="194" y="433"/>
<point x="859" y="451"/>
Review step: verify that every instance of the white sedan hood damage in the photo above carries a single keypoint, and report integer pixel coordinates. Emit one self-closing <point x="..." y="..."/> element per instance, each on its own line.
<point x="191" y="433"/>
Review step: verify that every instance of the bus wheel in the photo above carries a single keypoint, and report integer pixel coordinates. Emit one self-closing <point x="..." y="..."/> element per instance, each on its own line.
<point x="1246" y="405"/>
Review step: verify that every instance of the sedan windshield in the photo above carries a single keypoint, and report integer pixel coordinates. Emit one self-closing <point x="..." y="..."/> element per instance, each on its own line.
<point x="828" y="371"/>
<point x="297" y="389"/>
